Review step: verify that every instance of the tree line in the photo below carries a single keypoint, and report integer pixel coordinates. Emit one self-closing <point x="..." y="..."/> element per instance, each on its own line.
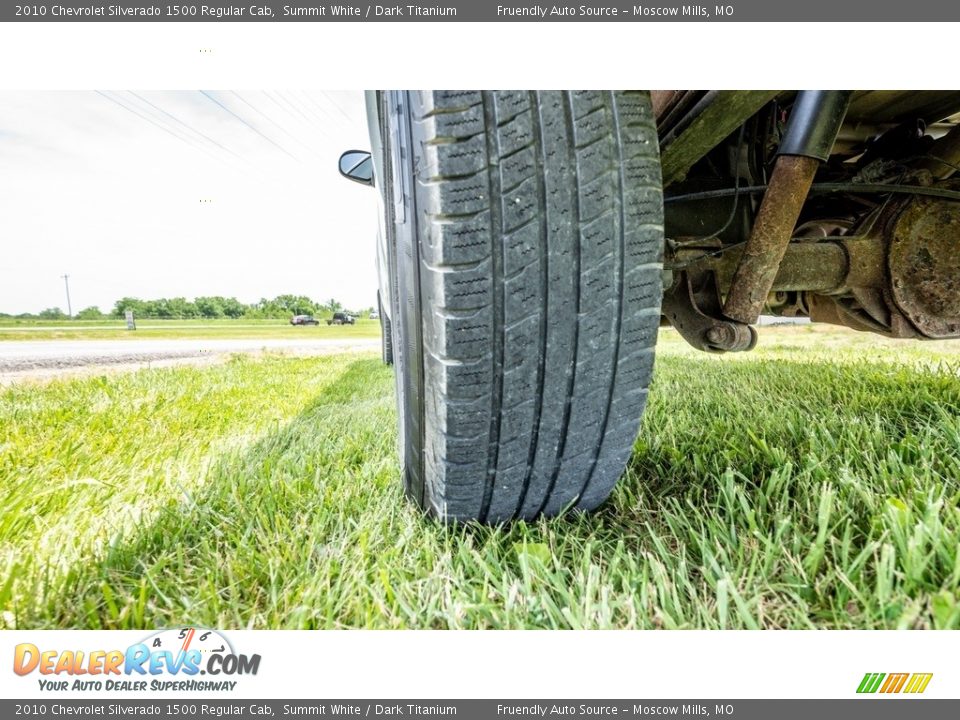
<point x="210" y="307"/>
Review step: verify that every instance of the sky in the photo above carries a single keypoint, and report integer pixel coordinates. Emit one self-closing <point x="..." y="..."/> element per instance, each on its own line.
<point x="186" y="193"/>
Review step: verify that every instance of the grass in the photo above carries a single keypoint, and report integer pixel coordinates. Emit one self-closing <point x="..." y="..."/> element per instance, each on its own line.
<point x="181" y="329"/>
<point x="810" y="484"/>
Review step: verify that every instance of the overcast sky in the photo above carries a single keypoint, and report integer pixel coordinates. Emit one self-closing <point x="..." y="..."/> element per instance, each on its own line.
<point x="107" y="187"/>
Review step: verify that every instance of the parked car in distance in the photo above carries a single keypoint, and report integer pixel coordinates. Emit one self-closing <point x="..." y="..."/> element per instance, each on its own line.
<point x="341" y="318"/>
<point x="374" y="315"/>
<point x="304" y="320"/>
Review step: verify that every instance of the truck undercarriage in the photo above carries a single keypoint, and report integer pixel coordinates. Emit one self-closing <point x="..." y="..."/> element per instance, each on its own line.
<point x="833" y="205"/>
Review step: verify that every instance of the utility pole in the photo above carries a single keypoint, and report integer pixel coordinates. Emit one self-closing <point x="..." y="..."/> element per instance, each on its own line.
<point x="66" y="284"/>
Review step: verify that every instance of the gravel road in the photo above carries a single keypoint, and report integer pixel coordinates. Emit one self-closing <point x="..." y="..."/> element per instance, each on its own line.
<point x="51" y="357"/>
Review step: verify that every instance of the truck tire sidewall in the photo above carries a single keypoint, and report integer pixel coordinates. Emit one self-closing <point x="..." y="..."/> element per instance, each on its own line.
<point x="404" y="260"/>
<point x="386" y="333"/>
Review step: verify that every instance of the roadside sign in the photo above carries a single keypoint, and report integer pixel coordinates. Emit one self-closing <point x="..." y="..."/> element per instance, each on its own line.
<point x="131" y="324"/>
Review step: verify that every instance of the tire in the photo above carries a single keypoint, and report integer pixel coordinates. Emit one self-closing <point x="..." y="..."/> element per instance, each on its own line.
<point x="527" y="250"/>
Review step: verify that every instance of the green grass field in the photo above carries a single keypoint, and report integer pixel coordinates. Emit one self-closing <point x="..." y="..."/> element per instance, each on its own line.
<point x="810" y="484"/>
<point x="175" y="329"/>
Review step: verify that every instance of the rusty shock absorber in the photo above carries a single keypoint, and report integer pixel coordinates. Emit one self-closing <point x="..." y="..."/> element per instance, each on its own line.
<point x="814" y="122"/>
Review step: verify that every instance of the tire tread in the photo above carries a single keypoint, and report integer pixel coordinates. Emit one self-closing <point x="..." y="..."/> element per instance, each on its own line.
<point x="541" y="235"/>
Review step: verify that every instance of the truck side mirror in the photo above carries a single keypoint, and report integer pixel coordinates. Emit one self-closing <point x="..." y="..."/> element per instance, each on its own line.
<point x="357" y="165"/>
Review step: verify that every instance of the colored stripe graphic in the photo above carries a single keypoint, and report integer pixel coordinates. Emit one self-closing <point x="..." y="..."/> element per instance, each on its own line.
<point x="893" y="683"/>
<point x="918" y="682"/>
<point x="870" y="682"/>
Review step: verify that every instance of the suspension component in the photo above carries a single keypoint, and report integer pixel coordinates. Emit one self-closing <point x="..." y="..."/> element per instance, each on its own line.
<point x="812" y="129"/>
<point x="895" y="273"/>
<point x="692" y="306"/>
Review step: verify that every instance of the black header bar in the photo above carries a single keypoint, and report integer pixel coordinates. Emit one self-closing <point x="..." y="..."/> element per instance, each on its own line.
<point x="482" y="11"/>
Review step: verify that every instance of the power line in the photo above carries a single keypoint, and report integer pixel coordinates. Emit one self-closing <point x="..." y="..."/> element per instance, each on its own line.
<point x="141" y="116"/>
<point x="301" y="106"/>
<point x="327" y="118"/>
<point x="314" y="120"/>
<point x="246" y="167"/>
<point x="337" y="106"/>
<point x="314" y="115"/>
<point x="186" y="125"/>
<point x="270" y="120"/>
<point x="164" y="128"/>
<point x="290" y="104"/>
<point x="251" y="127"/>
<point x="330" y="116"/>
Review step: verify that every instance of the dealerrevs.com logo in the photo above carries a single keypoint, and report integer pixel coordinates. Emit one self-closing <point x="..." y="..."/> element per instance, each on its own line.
<point x="892" y="683"/>
<point x="168" y="660"/>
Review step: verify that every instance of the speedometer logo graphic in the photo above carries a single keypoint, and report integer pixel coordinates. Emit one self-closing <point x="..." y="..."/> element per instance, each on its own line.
<point x="181" y="640"/>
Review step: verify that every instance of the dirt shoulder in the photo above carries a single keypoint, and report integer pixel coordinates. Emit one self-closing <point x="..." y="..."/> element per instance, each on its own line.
<point x="78" y="358"/>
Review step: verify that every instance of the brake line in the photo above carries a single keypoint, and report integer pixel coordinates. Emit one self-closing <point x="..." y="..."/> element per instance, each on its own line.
<point x="824" y="189"/>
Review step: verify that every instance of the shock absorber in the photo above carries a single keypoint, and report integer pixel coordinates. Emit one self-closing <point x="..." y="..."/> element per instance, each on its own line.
<point x="814" y="122"/>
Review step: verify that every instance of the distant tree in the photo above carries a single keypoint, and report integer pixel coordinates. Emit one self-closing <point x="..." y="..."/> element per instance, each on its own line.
<point x="333" y="305"/>
<point x="209" y="307"/>
<point x="257" y="310"/>
<point x="233" y="308"/>
<point x="181" y="308"/>
<point x="216" y="306"/>
<point x="90" y="313"/>
<point x="53" y="313"/>
<point x="157" y="309"/>
<point x="121" y="306"/>
<point x="286" y="305"/>
<point x="274" y="308"/>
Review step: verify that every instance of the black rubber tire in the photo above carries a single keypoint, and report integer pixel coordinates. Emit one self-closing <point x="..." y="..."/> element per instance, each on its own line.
<point x="527" y="247"/>
<point x="386" y="334"/>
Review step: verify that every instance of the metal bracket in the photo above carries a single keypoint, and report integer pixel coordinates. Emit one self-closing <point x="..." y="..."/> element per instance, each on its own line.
<point x="693" y="307"/>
